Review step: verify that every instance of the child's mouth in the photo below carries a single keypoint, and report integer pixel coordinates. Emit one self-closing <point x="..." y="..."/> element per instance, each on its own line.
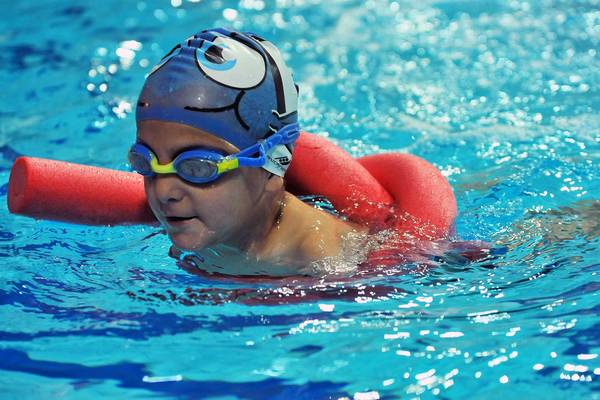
<point x="179" y="220"/>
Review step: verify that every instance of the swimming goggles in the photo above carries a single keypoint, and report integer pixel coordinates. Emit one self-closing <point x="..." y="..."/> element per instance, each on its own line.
<point x="204" y="165"/>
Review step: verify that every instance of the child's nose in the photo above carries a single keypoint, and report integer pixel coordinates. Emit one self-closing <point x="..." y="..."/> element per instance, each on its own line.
<point x="167" y="188"/>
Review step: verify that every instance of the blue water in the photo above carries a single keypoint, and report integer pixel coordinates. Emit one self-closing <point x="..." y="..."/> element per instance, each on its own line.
<point x="502" y="96"/>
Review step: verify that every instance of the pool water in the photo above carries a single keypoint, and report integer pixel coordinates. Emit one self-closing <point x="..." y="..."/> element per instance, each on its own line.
<point x="502" y="96"/>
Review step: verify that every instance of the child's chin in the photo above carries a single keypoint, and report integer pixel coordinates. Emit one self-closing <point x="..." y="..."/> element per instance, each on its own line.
<point x="187" y="241"/>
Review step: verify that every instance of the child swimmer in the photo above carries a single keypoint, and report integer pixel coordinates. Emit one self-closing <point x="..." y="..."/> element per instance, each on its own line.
<point x="216" y="123"/>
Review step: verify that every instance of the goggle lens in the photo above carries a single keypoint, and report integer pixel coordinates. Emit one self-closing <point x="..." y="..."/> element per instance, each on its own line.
<point x="196" y="170"/>
<point x="139" y="163"/>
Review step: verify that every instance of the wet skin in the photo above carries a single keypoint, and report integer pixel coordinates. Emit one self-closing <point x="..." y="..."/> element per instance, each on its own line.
<point x="197" y="216"/>
<point x="246" y="210"/>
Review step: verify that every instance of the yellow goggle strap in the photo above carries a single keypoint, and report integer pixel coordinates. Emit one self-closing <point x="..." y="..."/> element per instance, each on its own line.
<point x="228" y="164"/>
<point x="161" y="168"/>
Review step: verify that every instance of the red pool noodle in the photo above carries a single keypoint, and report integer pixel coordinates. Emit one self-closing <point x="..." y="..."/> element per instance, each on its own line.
<point x="62" y="191"/>
<point x="368" y="192"/>
<point x="378" y="190"/>
<point x="419" y="189"/>
<point x="320" y="167"/>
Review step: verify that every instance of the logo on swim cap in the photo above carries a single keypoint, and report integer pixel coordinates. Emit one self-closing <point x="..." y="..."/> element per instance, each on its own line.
<point x="233" y="85"/>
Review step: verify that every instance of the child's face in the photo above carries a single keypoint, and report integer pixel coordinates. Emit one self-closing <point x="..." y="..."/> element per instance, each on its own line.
<point x="200" y="215"/>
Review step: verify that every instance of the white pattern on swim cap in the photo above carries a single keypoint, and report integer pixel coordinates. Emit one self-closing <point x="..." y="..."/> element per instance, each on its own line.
<point x="289" y="89"/>
<point x="243" y="67"/>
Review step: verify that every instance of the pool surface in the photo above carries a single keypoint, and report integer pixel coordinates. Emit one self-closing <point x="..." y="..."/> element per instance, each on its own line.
<point x="502" y="96"/>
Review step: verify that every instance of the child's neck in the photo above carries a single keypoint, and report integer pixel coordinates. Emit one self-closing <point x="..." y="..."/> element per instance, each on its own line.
<point x="301" y="234"/>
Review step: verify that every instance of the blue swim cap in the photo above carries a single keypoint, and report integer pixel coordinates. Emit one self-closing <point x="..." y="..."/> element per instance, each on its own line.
<point x="233" y="85"/>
